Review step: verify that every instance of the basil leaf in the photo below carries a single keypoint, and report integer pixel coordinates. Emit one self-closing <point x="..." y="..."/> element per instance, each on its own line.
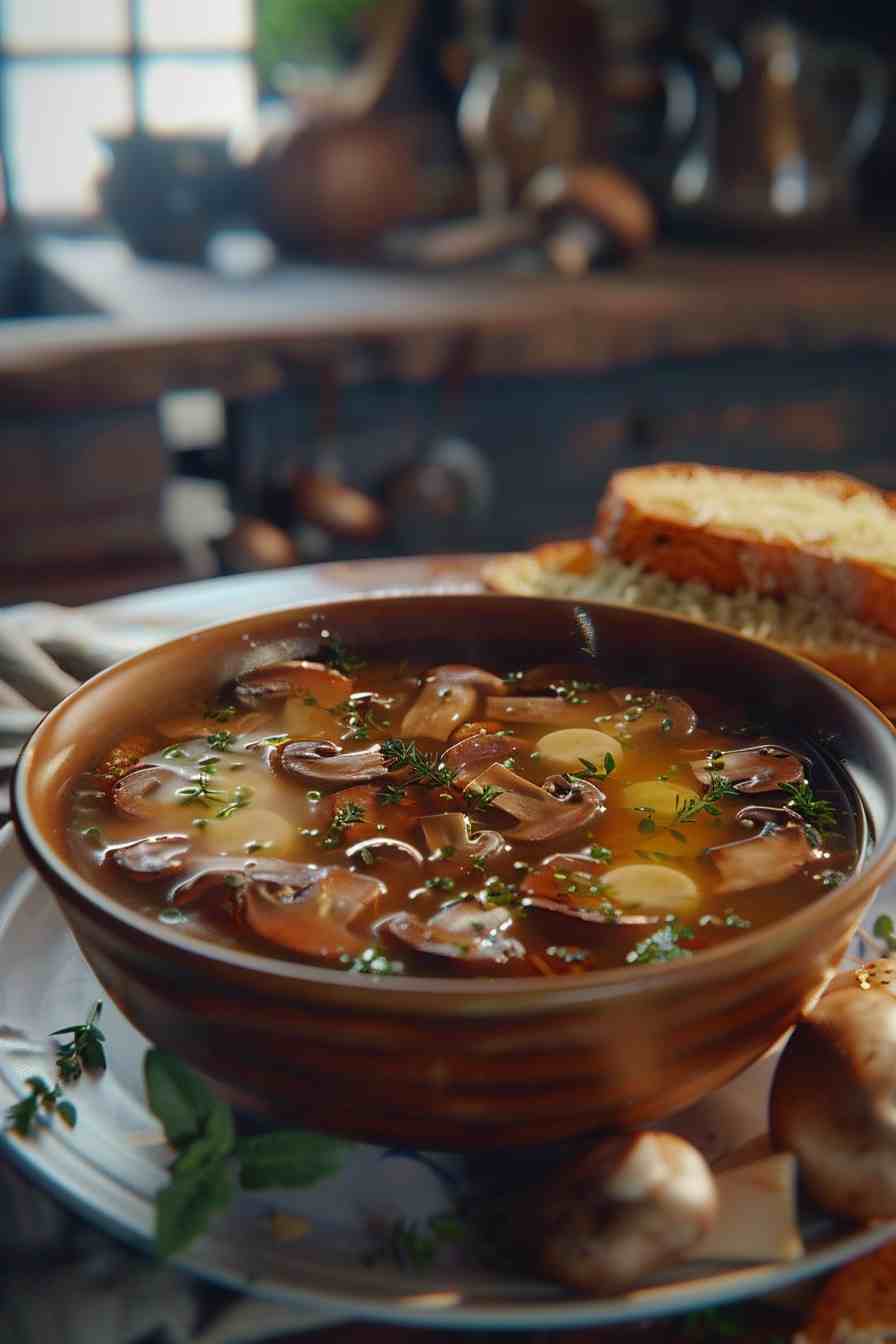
<point x="289" y="1157"/>
<point x="184" y="1208"/>
<point x="216" y="1143"/>
<point x="179" y="1099"/>
<point x="66" y="1111"/>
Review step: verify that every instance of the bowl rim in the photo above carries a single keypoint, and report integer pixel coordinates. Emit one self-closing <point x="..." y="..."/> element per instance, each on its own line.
<point x="707" y="965"/>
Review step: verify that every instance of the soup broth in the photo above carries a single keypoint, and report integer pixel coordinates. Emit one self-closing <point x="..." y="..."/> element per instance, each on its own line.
<point x="388" y="819"/>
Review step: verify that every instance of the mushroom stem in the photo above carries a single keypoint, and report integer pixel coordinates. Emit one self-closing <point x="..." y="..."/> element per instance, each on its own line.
<point x="449" y="697"/>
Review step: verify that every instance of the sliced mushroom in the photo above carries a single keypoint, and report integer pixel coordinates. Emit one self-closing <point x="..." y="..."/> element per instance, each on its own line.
<point x="751" y="769"/>
<point x="465" y="931"/>
<point x="654" y="709"/>
<point x="231" y="873"/>
<point x="629" y="1207"/>
<point x="757" y="815"/>
<point x="560" y="806"/>
<point x="143" y="792"/>
<point x="327" y="763"/>
<point x="472" y="755"/>
<point x="307" y="909"/>
<point x="384" y="847"/>
<point x="317" y="924"/>
<point x="571" y="884"/>
<point x="281" y="681"/>
<point x="180" y="730"/>
<point x="152" y="859"/>
<point x="448" y="836"/>
<point x="832" y="1102"/>
<point x="449" y="697"/>
<point x="771" y="856"/>
<point x="533" y="709"/>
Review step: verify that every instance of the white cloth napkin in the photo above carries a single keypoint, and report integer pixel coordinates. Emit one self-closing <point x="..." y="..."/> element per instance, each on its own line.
<point x="63" y="1280"/>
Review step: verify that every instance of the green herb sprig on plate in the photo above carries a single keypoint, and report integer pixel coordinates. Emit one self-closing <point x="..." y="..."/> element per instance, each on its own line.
<point x="200" y="1127"/>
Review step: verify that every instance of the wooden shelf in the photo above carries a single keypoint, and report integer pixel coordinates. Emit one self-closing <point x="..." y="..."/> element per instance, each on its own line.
<point x="161" y="323"/>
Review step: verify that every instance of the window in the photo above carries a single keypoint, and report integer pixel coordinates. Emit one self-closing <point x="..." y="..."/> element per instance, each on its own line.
<point x="72" y="70"/>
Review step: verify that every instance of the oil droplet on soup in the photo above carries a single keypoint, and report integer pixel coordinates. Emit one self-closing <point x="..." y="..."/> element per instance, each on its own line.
<point x="535" y="823"/>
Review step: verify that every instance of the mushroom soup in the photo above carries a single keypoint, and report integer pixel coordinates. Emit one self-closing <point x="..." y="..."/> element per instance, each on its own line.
<point x="385" y="819"/>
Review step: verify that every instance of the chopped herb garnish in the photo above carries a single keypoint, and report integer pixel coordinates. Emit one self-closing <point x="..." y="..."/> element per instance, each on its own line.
<point x="414" y="1245"/>
<point x="440" y="883"/>
<point x="480" y="799"/>
<point x="372" y="961"/>
<point x="240" y="798"/>
<point x="357" y="715"/>
<point x="347" y="815"/>
<point x="201" y="790"/>
<point x="663" y="945"/>
<point x="571" y="955"/>
<point x="427" y="770"/>
<point x="222" y="713"/>
<point x="84" y="1050"/>
<point x="601" y="853"/>
<point x="335" y="654"/>
<point x="92" y="833"/>
<point x="175" y="753"/>
<point x="221" y="741"/>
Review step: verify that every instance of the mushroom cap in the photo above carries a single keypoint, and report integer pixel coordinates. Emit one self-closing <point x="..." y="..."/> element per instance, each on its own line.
<point x="326" y="763"/>
<point x="751" y="769"/>
<point x="469" y="757"/>
<point x="630" y="1206"/>
<point x="833" y="1102"/>
<point x="151" y="859"/>
<point x="280" y="681"/>
<point x="772" y="855"/>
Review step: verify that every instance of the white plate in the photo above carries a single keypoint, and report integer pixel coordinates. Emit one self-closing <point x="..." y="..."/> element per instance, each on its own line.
<point x="111" y="1165"/>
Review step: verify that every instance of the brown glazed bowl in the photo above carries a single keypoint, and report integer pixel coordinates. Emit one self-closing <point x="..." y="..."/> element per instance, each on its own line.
<point x="458" y="1063"/>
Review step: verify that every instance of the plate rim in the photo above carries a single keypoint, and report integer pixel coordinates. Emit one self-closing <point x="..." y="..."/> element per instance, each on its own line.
<point x="415" y="1307"/>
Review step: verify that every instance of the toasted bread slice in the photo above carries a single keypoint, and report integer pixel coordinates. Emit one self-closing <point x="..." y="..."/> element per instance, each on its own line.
<point x="815" y="629"/>
<point x="816" y="534"/>
<point x="858" y="1302"/>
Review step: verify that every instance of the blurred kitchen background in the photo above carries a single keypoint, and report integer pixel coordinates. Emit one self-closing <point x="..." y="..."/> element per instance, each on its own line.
<point x="301" y="280"/>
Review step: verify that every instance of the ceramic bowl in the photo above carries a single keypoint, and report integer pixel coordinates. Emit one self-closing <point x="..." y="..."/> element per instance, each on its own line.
<point x="458" y="1063"/>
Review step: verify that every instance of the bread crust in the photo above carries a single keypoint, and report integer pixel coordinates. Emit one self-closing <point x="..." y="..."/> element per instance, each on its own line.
<point x="861" y="1295"/>
<point x="528" y="573"/>
<point x="729" y="558"/>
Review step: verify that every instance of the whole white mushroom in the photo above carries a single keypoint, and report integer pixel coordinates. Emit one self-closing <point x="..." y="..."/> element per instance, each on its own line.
<point x="629" y="1206"/>
<point x="833" y="1098"/>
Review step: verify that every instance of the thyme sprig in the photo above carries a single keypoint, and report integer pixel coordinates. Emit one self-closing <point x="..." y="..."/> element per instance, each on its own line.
<point x="816" y="812"/>
<point x="85" y="1049"/>
<point x="22" y="1116"/>
<point x="427" y="770"/>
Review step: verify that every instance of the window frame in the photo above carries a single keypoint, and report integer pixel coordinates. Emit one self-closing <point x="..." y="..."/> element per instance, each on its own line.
<point x="133" y="57"/>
